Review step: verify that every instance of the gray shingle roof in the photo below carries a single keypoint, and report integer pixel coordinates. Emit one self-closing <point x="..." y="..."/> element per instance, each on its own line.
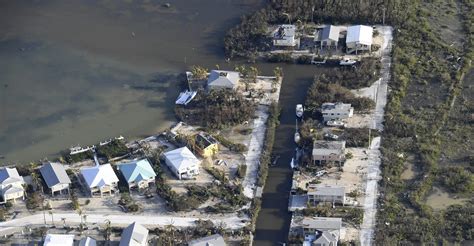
<point x="223" y="79"/>
<point x="54" y="173"/>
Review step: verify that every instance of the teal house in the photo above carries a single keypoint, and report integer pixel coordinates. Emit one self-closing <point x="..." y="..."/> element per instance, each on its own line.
<point x="138" y="173"/>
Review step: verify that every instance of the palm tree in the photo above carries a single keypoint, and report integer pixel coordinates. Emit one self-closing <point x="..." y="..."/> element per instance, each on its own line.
<point x="52" y="218"/>
<point x="108" y="230"/>
<point x="85" y="219"/>
<point x="64" y="222"/>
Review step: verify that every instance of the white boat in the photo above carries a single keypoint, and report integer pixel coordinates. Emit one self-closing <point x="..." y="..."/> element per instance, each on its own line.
<point x="299" y="110"/>
<point x="185" y="97"/>
<point x="297" y="137"/>
<point x="292" y="163"/>
<point x="347" y="62"/>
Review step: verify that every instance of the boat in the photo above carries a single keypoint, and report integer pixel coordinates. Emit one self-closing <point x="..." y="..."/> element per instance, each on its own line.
<point x="299" y="110"/>
<point x="292" y="163"/>
<point x="347" y="62"/>
<point x="185" y="97"/>
<point x="297" y="134"/>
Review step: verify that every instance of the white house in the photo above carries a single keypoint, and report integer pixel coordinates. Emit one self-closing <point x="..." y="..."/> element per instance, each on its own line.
<point x="322" y="193"/>
<point x="359" y="38"/>
<point x="328" y="151"/>
<point x="134" y="235"/>
<point x="138" y="173"/>
<point x="322" y="231"/>
<point x="100" y="179"/>
<point x="285" y="36"/>
<point x="220" y="79"/>
<point x="55" y="177"/>
<point x="11" y="184"/>
<point x="336" y="111"/>
<point x="58" y="240"/>
<point x="182" y="162"/>
<point x="328" y="36"/>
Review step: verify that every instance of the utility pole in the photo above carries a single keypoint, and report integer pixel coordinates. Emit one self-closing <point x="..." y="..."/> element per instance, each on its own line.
<point x="312" y="14"/>
<point x="383" y="16"/>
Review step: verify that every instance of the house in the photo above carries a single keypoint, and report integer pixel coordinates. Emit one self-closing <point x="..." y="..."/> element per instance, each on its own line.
<point x="138" y="173"/>
<point x="336" y="111"/>
<point x="206" y="145"/>
<point x="59" y="240"/>
<point x="359" y="38"/>
<point x="182" y="162"/>
<point x="214" y="240"/>
<point x="220" y="79"/>
<point x="11" y="184"/>
<point x="100" y="179"/>
<point x="322" y="230"/>
<point x="325" y="239"/>
<point x="328" y="151"/>
<point x="87" y="241"/>
<point x="321" y="193"/>
<point x="55" y="177"/>
<point x="285" y="36"/>
<point x="328" y="36"/>
<point x="134" y="235"/>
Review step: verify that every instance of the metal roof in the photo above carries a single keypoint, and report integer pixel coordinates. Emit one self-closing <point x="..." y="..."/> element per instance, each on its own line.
<point x="322" y="223"/>
<point x="330" y="32"/>
<point x="58" y="240"/>
<point x="181" y="158"/>
<point x="322" y="190"/>
<point x="359" y="34"/>
<point x="99" y="176"/>
<point x="137" y="171"/>
<point x="88" y="241"/>
<point x="322" y="147"/>
<point x="223" y="79"/>
<point x="9" y="175"/>
<point x="213" y="240"/>
<point x="54" y="173"/>
<point x="134" y="235"/>
<point x="328" y="107"/>
<point x="325" y="238"/>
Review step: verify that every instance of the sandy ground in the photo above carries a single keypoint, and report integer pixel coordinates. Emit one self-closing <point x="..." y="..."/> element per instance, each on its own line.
<point x="373" y="171"/>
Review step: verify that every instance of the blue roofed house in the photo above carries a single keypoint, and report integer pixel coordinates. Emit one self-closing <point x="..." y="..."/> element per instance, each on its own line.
<point x="138" y="173"/>
<point x="11" y="184"/>
<point x="55" y="177"/>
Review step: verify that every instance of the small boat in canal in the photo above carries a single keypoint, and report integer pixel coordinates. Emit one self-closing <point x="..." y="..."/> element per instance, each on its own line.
<point x="299" y="110"/>
<point x="297" y="134"/>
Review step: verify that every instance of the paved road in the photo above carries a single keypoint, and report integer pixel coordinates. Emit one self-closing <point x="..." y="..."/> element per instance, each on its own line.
<point x="373" y="170"/>
<point x="122" y="220"/>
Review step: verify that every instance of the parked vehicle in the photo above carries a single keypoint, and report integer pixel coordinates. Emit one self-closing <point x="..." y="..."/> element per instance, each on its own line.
<point x="331" y="136"/>
<point x="336" y="123"/>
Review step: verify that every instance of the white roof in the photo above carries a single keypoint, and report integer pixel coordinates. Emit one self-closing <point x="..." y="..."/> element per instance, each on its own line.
<point x="134" y="235"/>
<point x="87" y="241"/>
<point x="58" y="240"/>
<point x="359" y="34"/>
<point x="9" y="176"/>
<point x="99" y="176"/>
<point x="181" y="158"/>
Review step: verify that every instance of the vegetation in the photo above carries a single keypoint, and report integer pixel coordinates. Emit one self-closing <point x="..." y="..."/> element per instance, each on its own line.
<point x="199" y="72"/>
<point x="76" y="157"/>
<point x="128" y="203"/>
<point x="265" y="157"/>
<point x="358" y="137"/>
<point x="322" y="90"/>
<point x="238" y="147"/>
<point x="351" y="215"/>
<point x="216" y="109"/>
<point x="113" y="149"/>
<point x="241" y="170"/>
<point x="457" y="179"/>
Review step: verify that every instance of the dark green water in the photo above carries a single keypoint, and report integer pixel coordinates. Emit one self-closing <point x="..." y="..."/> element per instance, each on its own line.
<point x="77" y="72"/>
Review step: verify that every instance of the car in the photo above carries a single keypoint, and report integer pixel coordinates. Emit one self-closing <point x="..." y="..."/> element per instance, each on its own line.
<point x="331" y="136"/>
<point x="336" y="123"/>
